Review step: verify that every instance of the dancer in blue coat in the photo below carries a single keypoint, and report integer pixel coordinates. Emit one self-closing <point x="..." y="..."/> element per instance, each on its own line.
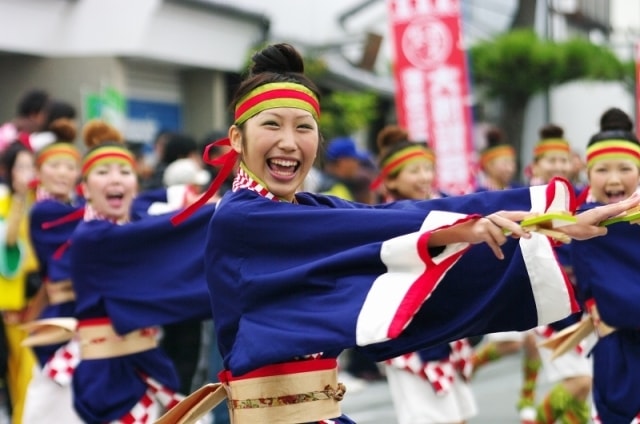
<point x="295" y="278"/>
<point x="607" y="272"/>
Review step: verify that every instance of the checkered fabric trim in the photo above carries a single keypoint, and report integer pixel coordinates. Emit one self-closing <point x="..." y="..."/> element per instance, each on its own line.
<point x="42" y="194"/>
<point x="91" y="214"/>
<point x="439" y="373"/>
<point x="62" y="364"/>
<point x="156" y="395"/>
<point x="244" y="180"/>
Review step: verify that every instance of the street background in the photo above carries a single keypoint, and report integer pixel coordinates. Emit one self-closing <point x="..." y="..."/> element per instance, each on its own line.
<point x="496" y="387"/>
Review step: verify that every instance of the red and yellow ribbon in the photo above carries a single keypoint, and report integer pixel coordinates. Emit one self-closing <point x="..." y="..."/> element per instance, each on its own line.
<point x="107" y="154"/>
<point x="613" y="149"/>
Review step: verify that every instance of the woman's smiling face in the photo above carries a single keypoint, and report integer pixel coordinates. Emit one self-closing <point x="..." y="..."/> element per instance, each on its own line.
<point x="110" y="188"/>
<point x="612" y="180"/>
<point x="279" y="147"/>
<point x="59" y="175"/>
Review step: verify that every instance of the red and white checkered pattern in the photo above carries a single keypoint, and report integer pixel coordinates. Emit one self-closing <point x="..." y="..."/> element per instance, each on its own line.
<point x="43" y="194"/>
<point x="91" y="214"/>
<point x="244" y="180"/>
<point x="63" y="362"/>
<point x="439" y="373"/>
<point x="155" y="396"/>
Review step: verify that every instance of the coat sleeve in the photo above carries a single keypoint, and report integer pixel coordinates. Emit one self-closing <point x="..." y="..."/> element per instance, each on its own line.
<point x="607" y="270"/>
<point x="144" y="273"/>
<point x="315" y="279"/>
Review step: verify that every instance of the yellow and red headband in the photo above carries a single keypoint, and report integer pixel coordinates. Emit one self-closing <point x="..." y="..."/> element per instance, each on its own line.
<point x="496" y="152"/>
<point x="57" y="150"/>
<point x="549" y="145"/>
<point x="276" y="94"/>
<point x="403" y="157"/>
<point x="107" y="154"/>
<point x="613" y="149"/>
<point x="267" y="96"/>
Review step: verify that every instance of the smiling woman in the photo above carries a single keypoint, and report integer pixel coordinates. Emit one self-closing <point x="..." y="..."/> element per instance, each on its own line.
<point x="109" y="181"/>
<point x="296" y="278"/>
<point x="127" y="283"/>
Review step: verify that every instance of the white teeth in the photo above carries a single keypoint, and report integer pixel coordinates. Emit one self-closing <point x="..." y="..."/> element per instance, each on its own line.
<point x="283" y="162"/>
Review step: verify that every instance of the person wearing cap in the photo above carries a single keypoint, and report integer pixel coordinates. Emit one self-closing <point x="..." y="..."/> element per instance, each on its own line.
<point x="127" y="282"/>
<point x="342" y="168"/>
<point x="53" y="218"/>
<point x="296" y="277"/>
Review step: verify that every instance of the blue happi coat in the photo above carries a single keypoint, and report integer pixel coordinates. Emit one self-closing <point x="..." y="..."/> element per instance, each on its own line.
<point x="51" y="225"/>
<point x="145" y="273"/>
<point x="289" y="280"/>
<point x="608" y="271"/>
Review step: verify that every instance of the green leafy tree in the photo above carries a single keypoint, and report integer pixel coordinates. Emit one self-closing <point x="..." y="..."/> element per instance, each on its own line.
<point x="516" y="65"/>
<point x="345" y="112"/>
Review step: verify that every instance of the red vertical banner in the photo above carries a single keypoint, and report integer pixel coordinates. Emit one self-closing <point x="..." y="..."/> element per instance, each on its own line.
<point x="432" y="86"/>
<point x="637" y="102"/>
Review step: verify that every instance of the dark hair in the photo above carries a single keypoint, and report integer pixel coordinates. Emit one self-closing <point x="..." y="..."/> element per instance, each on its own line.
<point x="275" y="63"/>
<point x="614" y="124"/>
<point x="96" y="133"/>
<point x="59" y="109"/>
<point x="8" y="160"/>
<point x="64" y="129"/>
<point x="391" y="139"/>
<point x="551" y="131"/>
<point x="178" y="146"/>
<point x="32" y="102"/>
<point x="495" y="137"/>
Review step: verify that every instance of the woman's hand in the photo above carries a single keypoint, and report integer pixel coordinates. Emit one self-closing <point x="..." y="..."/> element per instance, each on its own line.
<point x="588" y="222"/>
<point x="492" y="229"/>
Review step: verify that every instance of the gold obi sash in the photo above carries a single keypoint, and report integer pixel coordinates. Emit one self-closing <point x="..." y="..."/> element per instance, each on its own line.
<point x="568" y="338"/>
<point x="288" y="393"/>
<point x="99" y="340"/>
<point x="48" y="331"/>
<point x="59" y="292"/>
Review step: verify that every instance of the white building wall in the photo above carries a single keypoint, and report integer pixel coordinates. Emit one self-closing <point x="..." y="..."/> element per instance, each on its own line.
<point x="175" y="32"/>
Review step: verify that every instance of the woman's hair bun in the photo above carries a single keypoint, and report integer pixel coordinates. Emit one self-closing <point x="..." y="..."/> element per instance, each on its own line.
<point x="97" y="132"/>
<point x="551" y="131"/>
<point x="64" y="129"/>
<point x="615" y="119"/>
<point x="277" y="58"/>
<point x="391" y="135"/>
<point x="495" y="137"/>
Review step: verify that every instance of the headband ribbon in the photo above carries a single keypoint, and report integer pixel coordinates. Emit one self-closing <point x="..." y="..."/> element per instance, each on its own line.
<point x="548" y="145"/>
<point x="274" y="95"/>
<point x="496" y="152"/>
<point x="105" y="154"/>
<point x="613" y="149"/>
<point x="267" y="96"/>
<point x="400" y="159"/>
<point x="57" y="150"/>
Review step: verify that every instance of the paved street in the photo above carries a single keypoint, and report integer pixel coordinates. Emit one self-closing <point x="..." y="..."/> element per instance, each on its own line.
<point x="496" y="388"/>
